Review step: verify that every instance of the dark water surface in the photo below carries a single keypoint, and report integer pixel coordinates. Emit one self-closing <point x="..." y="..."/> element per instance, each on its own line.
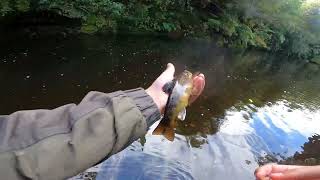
<point x="255" y="109"/>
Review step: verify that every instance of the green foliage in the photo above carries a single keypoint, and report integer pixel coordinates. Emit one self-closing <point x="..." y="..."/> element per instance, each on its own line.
<point x="289" y="26"/>
<point x="158" y="15"/>
<point x="316" y="60"/>
<point x="167" y="26"/>
<point x="238" y="34"/>
<point x="97" y="15"/>
<point x="4" y="7"/>
<point x="22" y="5"/>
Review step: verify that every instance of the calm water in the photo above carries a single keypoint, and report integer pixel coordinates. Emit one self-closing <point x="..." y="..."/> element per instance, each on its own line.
<point x="255" y="109"/>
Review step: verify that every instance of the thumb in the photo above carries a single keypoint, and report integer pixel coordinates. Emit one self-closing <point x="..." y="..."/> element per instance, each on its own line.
<point x="169" y="70"/>
<point x="166" y="75"/>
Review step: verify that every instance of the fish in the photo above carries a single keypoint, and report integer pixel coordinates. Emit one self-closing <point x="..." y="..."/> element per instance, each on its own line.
<point x="179" y="91"/>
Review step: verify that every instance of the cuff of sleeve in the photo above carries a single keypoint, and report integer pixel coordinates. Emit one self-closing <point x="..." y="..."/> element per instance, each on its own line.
<point x="145" y="104"/>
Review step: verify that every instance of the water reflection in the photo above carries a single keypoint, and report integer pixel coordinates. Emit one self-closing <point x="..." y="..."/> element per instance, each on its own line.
<point x="255" y="108"/>
<point x="309" y="155"/>
<point x="140" y="168"/>
<point x="233" y="152"/>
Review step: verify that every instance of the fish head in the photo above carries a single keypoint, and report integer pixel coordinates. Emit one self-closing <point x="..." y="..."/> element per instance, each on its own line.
<point x="185" y="77"/>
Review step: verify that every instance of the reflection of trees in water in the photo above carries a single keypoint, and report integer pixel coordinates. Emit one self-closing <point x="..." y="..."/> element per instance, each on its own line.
<point x="310" y="155"/>
<point x="122" y="62"/>
<point x="196" y="141"/>
<point x="237" y="80"/>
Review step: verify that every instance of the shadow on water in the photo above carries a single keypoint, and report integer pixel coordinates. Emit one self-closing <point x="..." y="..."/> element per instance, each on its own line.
<point x="256" y="108"/>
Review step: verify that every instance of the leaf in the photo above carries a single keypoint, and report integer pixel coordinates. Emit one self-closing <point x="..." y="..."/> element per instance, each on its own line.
<point x="22" y="5"/>
<point x="90" y="29"/>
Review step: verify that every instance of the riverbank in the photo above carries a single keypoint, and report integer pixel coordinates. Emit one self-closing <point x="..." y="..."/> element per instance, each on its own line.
<point x="284" y="27"/>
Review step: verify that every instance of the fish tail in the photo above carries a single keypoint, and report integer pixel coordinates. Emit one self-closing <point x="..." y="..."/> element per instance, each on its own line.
<point x="165" y="130"/>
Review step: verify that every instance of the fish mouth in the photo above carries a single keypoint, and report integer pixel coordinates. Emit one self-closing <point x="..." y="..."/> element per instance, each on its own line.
<point x="185" y="77"/>
<point x="187" y="74"/>
<point x="197" y="73"/>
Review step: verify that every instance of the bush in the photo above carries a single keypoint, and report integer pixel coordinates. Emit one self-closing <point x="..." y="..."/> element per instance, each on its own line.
<point x="289" y="26"/>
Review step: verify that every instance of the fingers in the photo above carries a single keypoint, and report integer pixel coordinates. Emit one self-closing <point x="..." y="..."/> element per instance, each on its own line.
<point x="276" y="172"/>
<point x="289" y="175"/>
<point x="300" y="173"/>
<point x="263" y="172"/>
<point x="198" y="86"/>
<point x="282" y="168"/>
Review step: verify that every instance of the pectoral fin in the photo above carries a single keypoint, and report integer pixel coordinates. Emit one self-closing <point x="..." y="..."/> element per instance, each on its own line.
<point x="182" y="114"/>
<point x="168" y="87"/>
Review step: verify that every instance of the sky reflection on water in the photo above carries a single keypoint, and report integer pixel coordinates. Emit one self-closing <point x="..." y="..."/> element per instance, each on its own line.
<point x="232" y="153"/>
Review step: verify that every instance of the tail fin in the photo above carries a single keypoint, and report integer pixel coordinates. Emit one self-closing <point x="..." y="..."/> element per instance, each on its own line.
<point x="165" y="130"/>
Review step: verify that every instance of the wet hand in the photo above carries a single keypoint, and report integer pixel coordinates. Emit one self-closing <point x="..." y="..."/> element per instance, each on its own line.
<point x="287" y="172"/>
<point x="160" y="98"/>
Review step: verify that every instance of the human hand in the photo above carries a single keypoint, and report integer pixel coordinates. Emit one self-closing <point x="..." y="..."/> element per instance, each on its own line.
<point x="160" y="97"/>
<point x="287" y="172"/>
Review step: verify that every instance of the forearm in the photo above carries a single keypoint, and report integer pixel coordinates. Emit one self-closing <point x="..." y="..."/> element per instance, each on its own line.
<point x="55" y="144"/>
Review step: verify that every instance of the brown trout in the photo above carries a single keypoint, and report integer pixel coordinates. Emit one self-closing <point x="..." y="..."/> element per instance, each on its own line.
<point x="179" y="91"/>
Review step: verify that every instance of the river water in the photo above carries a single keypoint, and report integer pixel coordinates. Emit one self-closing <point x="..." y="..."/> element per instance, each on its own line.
<point x="256" y="108"/>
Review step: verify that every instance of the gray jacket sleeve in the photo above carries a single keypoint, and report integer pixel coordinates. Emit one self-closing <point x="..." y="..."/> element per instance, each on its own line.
<point x="60" y="143"/>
